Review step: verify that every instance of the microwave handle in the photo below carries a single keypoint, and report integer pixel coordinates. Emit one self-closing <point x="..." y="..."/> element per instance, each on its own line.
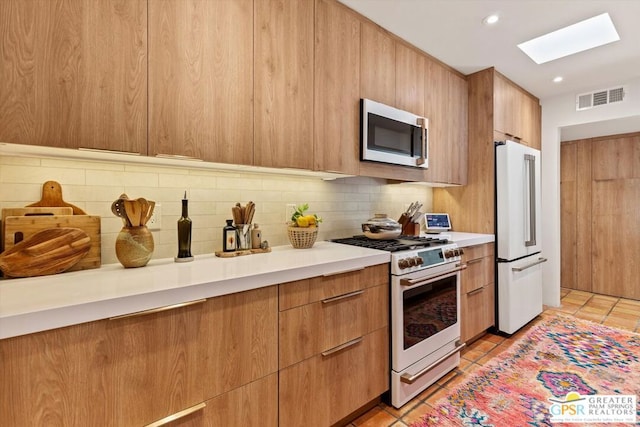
<point x="423" y="122"/>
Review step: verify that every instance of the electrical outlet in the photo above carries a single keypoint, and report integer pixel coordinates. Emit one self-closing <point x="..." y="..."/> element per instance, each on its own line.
<point x="290" y="208"/>
<point x="155" y="222"/>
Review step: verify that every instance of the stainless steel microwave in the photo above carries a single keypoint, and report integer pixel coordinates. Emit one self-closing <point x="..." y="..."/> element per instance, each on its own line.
<point x="390" y="135"/>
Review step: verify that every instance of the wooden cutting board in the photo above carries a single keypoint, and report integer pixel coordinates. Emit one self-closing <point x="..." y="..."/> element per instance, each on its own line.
<point x="52" y="196"/>
<point x="49" y="251"/>
<point x="36" y="211"/>
<point x="19" y="228"/>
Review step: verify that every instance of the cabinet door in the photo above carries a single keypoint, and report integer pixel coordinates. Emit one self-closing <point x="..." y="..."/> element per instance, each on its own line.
<point x="478" y="308"/>
<point x="458" y="129"/>
<point x="410" y="71"/>
<point x="129" y="371"/>
<point x="336" y="120"/>
<point x="378" y="71"/>
<point x="310" y="329"/>
<point x="74" y="74"/>
<point x="238" y="340"/>
<point x="322" y="390"/>
<point x="507" y="107"/>
<point x="283" y="63"/>
<point x="153" y="365"/>
<point x="55" y="378"/>
<point x="446" y="108"/>
<point x="201" y="79"/>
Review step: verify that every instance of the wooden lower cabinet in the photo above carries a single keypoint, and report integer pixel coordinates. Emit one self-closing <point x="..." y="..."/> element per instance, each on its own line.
<point x="334" y="345"/>
<point x="252" y="405"/>
<point x="137" y="370"/>
<point x="477" y="291"/>
<point x="324" y="389"/>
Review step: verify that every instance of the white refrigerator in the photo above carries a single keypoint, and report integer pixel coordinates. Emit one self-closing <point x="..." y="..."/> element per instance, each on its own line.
<point x="518" y="231"/>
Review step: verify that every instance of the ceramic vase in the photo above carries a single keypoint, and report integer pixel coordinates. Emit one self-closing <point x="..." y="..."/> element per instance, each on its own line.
<point x="134" y="246"/>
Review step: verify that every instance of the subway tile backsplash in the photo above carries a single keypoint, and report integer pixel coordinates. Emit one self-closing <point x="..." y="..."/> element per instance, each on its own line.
<point x="343" y="203"/>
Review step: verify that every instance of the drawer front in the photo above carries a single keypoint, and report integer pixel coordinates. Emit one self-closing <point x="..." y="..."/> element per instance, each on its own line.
<point x="479" y="272"/>
<point x="478" y="311"/>
<point x="313" y="328"/>
<point x="301" y="292"/>
<point x="477" y="251"/>
<point x="324" y="389"/>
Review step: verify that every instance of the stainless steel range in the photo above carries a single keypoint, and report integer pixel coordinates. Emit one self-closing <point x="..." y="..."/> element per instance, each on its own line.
<point x="425" y="310"/>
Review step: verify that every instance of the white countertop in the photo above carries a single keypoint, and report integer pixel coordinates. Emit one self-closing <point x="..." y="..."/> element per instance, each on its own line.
<point x="464" y="239"/>
<point x="40" y="303"/>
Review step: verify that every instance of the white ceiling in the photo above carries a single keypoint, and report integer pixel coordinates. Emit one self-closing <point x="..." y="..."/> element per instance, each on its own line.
<point x="453" y="32"/>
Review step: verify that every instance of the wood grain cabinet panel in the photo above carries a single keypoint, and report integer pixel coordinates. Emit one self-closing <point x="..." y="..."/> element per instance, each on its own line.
<point x="410" y="82"/>
<point x="74" y="74"/>
<point x="239" y="339"/>
<point x="310" y="329"/>
<point x="336" y="96"/>
<point x="446" y="107"/>
<point x="477" y="291"/>
<point x="568" y="228"/>
<point x="129" y="371"/>
<point x="378" y="70"/>
<point x="201" y="79"/>
<point x="322" y="390"/>
<point x="283" y="64"/>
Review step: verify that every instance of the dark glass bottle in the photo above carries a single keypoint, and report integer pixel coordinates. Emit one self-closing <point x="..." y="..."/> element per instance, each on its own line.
<point x="229" y="242"/>
<point x="184" y="233"/>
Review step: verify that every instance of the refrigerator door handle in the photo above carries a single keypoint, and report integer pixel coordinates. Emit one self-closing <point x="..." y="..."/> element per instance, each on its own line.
<point x="533" y="264"/>
<point x="530" y="161"/>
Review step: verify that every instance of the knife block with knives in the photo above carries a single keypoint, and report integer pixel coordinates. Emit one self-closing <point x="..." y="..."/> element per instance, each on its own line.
<point x="410" y="220"/>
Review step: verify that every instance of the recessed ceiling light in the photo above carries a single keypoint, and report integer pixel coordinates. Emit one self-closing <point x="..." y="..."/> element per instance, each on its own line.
<point x="491" y="19"/>
<point x="557" y="79"/>
<point x="584" y="35"/>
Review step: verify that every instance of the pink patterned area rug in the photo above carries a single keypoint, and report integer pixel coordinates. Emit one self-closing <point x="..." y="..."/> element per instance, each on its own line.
<point x="562" y="372"/>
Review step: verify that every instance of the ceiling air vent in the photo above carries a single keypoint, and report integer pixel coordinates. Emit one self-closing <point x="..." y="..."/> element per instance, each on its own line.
<point x="585" y="101"/>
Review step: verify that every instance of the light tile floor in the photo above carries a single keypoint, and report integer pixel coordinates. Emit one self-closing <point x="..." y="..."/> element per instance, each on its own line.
<point x="617" y="312"/>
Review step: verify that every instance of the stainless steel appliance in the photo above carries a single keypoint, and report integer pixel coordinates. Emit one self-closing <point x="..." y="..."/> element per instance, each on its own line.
<point x="425" y="311"/>
<point x="518" y="230"/>
<point x="390" y="135"/>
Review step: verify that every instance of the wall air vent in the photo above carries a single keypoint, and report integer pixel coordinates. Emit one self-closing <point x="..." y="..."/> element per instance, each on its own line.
<point x="585" y="101"/>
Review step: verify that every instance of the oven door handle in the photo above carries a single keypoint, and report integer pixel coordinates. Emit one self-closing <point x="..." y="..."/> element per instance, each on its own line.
<point x="410" y="379"/>
<point x="423" y="279"/>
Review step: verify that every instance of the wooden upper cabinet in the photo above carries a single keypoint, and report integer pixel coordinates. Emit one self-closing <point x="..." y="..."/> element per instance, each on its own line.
<point x="446" y="105"/>
<point x="410" y="82"/>
<point x="283" y="64"/>
<point x="336" y="119"/>
<point x="201" y="79"/>
<point x="516" y="112"/>
<point x="74" y="74"/>
<point x="378" y="71"/>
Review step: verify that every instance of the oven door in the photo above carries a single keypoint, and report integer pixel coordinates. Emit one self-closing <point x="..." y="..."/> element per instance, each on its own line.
<point x="393" y="136"/>
<point x="425" y="314"/>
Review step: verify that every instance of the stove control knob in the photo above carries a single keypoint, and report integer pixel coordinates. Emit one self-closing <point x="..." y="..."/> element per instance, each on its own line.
<point x="413" y="262"/>
<point x="457" y="252"/>
<point x="403" y="263"/>
<point x="419" y="260"/>
<point x="449" y="253"/>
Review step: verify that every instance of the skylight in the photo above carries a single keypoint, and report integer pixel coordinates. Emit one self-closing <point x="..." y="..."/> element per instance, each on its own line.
<point x="584" y="35"/>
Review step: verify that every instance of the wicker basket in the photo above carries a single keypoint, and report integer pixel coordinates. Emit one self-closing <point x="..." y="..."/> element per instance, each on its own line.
<point x="302" y="237"/>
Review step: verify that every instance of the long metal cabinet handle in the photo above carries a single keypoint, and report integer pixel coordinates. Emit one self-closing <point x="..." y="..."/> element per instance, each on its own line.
<point x="531" y="162"/>
<point x="343" y="272"/>
<point x="474" y="261"/>
<point x="159" y="309"/>
<point x="343" y="296"/>
<point x="410" y="379"/>
<point x="178" y="415"/>
<point x="342" y="346"/>
<point x="533" y="264"/>
<point x="423" y="122"/>
<point x="420" y="281"/>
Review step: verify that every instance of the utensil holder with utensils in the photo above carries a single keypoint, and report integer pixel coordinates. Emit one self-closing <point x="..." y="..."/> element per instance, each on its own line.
<point x="134" y="244"/>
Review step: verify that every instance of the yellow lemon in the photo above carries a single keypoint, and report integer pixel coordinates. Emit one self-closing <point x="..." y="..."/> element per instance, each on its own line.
<point x="311" y="219"/>
<point x="302" y="221"/>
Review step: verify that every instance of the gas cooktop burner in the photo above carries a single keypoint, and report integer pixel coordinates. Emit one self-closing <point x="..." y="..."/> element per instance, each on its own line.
<point x="400" y="244"/>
